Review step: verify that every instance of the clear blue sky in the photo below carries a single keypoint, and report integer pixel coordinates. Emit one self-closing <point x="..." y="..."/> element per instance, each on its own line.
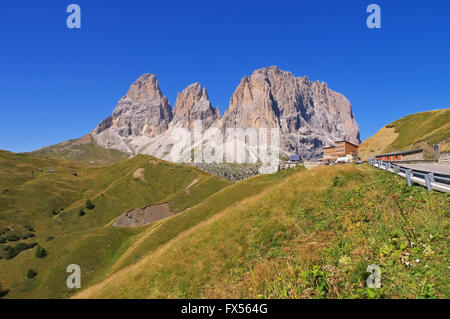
<point x="58" y="83"/>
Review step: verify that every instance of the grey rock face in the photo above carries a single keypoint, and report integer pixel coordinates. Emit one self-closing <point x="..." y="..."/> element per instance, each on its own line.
<point x="143" y="111"/>
<point x="193" y="104"/>
<point x="308" y="114"/>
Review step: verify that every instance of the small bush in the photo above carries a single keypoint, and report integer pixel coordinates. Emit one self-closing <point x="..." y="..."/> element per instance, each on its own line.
<point x="89" y="204"/>
<point x="3" y="293"/>
<point x="29" y="228"/>
<point x="40" y="252"/>
<point x="81" y="213"/>
<point x="55" y="212"/>
<point x="12" y="252"/>
<point x="338" y="181"/>
<point x="49" y="238"/>
<point x="26" y="236"/>
<point x="31" y="274"/>
<point x="12" y="238"/>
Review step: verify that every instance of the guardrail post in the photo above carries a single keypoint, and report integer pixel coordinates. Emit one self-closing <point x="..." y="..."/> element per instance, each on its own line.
<point x="388" y="166"/>
<point x="408" y="174"/>
<point x="395" y="168"/>
<point x="429" y="178"/>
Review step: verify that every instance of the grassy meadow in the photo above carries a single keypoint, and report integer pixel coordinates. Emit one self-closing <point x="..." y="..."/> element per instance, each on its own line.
<point x="44" y="208"/>
<point x="83" y="150"/>
<point x="303" y="239"/>
<point x="420" y="130"/>
<point x="293" y="234"/>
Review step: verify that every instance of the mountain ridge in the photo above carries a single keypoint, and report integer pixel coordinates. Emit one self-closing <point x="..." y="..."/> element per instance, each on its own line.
<point x="419" y="130"/>
<point x="308" y="114"/>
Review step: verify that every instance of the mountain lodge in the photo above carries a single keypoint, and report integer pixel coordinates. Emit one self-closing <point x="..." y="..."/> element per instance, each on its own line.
<point x="340" y="149"/>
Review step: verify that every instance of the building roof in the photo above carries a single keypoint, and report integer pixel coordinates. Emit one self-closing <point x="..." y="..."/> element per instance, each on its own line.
<point x="333" y="146"/>
<point x="294" y="157"/>
<point x="402" y="152"/>
<point x="346" y="142"/>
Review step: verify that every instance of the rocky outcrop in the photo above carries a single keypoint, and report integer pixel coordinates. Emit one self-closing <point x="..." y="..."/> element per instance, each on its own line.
<point x="308" y="114"/>
<point x="193" y="104"/>
<point x="143" y="112"/>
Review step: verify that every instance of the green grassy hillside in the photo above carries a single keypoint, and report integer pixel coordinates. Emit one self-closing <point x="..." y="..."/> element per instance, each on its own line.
<point x="420" y="130"/>
<point x="41" y="200"/>
<point x="297" y="239"/>
<point x="83" y="150"/>
<point x="269" y="236"/>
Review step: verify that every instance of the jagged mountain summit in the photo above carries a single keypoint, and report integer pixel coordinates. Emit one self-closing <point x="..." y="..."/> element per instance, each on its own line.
<point x="143" y="112"/>
<point x="193" y="104"/>
<point x="308" y="114"/>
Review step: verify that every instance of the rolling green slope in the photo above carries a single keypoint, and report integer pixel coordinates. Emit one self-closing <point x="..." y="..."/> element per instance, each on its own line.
<point x="269" y="236"/>
<point x="297" y="239"/>
<point x="40" y="203"/>
<point x="421" y="130"/>
<point x="83" y="150"/>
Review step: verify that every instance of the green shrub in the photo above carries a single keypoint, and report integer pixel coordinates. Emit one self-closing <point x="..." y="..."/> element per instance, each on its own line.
<point x="31" y="274"/>
<point x="26" y="236"/>
<point x="12" y="238"/>
<point x="3" y="293"/>
<point x="40" y="252"/>
<point x="338" y="181"/>
<point x="12" y="252"/>
<point x="89" y="205"/>
<point x="81" y="213"/>
<point x="49" y="238"/>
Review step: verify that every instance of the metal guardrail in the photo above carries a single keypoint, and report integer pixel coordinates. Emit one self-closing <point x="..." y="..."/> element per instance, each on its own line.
<point x="431" y="180"/>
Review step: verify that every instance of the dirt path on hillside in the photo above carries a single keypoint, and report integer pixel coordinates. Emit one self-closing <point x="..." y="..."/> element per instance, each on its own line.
<point x="142" y="216"/>
<point x="186" y="190"/>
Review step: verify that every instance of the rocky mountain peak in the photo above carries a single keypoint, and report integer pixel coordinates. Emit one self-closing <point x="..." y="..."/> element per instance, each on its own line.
<point x="143" y="111"/>
<point x="145" y="87"/>
<point x="193" y="104"/>
<point x="308" y="114"/>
